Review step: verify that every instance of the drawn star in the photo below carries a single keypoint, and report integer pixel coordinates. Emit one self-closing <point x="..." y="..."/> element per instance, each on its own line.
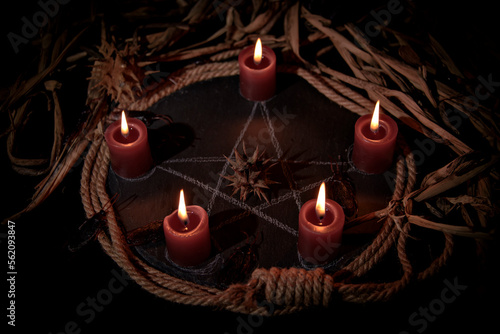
<point x="294" y="191"/>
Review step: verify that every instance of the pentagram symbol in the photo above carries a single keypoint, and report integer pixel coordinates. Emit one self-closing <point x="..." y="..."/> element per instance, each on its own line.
<point x="300" y="129"/>
<point x="216" y="193"/>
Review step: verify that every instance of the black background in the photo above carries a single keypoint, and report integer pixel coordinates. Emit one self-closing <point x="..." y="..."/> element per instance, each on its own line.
<point x="52" y="282"/>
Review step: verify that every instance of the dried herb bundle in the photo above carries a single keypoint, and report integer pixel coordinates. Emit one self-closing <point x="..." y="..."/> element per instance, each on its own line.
<point x="119" y="73"/>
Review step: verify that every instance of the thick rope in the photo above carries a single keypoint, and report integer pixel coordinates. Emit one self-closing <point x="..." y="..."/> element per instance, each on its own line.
<point x="320" y="83"/>
<point x="288" y="289"/>
<point x="86" y="172"/>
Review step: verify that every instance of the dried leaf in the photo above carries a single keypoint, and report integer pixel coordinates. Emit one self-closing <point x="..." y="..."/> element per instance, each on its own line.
<point x="444" y="205"/>
<point x="256" y="7"/>
<point x="482" y="189"/>
<point x="481" y="118"/>
<point x="346" y="48"/>
<point x="481" y="205"/>
<point x="445" y="58"/>
<point x="454" y="173"/>
<point x="33" y="167"/>
<point x="444" y="117"/>
<point x="195" y="15"/>
<point x="234" y="26"/>
<point x="433" y="210"/>
<point x="387" y="63"/>
<point x="378" y="57"/>
<point x="22" y="165"/>
<point x="259" y="22"/>
<point x="409" y="55"/>
<point x="292" y="30"/>
<point x="271" y="23"/>
<point x="28" y="86"/>
<point x="70" y="154"/>
<point x="465" y="215"/>
<point x="464" y="231"/>
<point x="51" y="86"/>
<point x="383" y="94"/>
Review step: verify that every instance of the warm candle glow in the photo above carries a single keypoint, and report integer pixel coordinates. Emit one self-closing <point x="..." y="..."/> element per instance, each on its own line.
<point x="257" y="54"/>
<point x="320" y="203"/>
<point x="124" y="125"/>
<point x="375" y="118"/>
<point x="181" y="212"/>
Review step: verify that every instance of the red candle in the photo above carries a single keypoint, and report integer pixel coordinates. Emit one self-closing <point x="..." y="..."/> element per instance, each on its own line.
<point x="128" y="147"/>
<point x="321" y="223"/>
<point x="374" y="142"/>
<point x="257" y="72"/>
<point x="187" y="235"/>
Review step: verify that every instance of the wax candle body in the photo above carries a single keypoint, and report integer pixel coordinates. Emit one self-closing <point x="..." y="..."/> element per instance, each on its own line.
<point x="373" y="152"/>
<point x="188" y="244"/>
<point x="130" y="156"/>
<point x="257" y="81"/>
<point x="319" y="239"/>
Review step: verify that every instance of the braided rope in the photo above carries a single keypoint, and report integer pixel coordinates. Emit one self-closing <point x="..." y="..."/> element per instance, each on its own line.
<point x="320" y="83"/>
<point x="288" y="289"/>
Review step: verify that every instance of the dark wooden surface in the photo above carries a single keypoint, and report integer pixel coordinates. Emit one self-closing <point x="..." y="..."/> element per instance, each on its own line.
<point x="299" y="126"/>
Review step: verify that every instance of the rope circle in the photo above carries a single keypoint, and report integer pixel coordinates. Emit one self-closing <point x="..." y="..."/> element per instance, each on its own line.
<point x="271" y="291"/>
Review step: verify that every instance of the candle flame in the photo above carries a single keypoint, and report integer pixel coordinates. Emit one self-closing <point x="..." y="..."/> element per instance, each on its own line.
<point x="320" y="203"/>
<point x="124" y="125"/>
<point x="374" y="124"/>
<point x="181" y="212"/>
<point x="257" y="54"/>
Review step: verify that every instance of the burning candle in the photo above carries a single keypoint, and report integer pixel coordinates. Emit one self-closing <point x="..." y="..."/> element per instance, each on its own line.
<point x="321" y="222"/>
<point x="374" y="142"/>
<point x="128" y="147"/>
<point x="187" y="234"/>
<point x="257" y="72"/>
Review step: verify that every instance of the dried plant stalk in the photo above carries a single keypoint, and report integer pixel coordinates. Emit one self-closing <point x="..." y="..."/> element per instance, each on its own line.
<point x="292" y="31"/>
<point x="481" y="118"/>
<point x="445" y="58"/>
<point x="37" y="166"/>
<point x="24" y="88"/>
<point x="453" y="174"/>
<point x="69" y="155"/>
<point x="481" y="190"/>
<point x="463" y="231"/>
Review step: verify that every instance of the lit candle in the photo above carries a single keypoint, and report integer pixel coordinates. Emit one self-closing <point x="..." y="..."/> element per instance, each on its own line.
<point x="187" y="235"/>
<point x="257" y="72"/>
<point x="321" y="222"/>
<point x="128" y="147"/>
<point x="374" y="142"/>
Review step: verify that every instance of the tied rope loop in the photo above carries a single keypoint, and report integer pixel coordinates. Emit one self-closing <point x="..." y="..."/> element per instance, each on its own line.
<point x="283" y="288"/>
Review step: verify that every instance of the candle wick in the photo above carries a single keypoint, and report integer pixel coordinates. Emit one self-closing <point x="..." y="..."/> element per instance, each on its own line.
<point x="374" y="130"/>
<point x="126" y="134"/>
<point x="257" y="62"/>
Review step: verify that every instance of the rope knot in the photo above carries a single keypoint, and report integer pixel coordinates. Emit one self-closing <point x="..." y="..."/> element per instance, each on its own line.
<point x="396" y="210"/>
<point x="294" y="286"/>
